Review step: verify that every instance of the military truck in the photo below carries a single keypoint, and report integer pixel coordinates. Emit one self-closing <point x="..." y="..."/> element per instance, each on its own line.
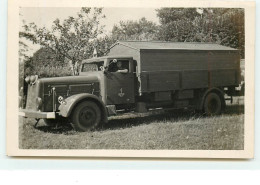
<point x="137" y="77"/>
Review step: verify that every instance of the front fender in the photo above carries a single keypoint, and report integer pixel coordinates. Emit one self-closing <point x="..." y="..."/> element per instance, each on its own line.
<point x="65" y="109"/>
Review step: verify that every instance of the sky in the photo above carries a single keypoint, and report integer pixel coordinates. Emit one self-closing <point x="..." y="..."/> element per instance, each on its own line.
<point x="45" y="16"/>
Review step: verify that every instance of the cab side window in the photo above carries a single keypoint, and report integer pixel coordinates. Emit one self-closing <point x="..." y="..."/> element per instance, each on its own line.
<point x="119" y="65"/>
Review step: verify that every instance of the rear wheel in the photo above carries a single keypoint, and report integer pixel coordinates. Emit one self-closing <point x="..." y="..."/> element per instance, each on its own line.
<point x="86" y="116"/>
<point x="212" y="104"/>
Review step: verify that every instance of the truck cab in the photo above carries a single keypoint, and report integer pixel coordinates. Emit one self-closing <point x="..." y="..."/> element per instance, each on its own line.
<point x="118" y="83"/>
<point x="104" y="85"/>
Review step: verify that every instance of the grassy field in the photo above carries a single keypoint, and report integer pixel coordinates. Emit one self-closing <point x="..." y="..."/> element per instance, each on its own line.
<point x="182" y="130"/>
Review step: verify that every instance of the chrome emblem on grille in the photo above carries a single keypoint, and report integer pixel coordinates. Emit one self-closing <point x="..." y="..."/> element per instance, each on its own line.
<point x="61" y="100"/>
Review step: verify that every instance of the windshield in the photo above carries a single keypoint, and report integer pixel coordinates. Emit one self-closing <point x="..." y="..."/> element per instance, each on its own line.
<point x="94" y="66"/>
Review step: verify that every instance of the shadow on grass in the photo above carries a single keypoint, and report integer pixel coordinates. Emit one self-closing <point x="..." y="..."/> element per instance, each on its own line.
<point x="58" y="129"/>
<point x="234" y="109"/>
<point x="173" y="115"/>
<point x="164" y="116"/>
<point x="122" y="122"/>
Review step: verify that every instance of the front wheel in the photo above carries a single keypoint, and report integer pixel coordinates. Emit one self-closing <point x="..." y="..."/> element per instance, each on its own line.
<point x="86" y="116"/>
<point x="212" y="104"/>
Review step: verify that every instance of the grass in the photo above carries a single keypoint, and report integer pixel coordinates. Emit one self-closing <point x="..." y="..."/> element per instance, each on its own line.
<point x="175" y="130"/>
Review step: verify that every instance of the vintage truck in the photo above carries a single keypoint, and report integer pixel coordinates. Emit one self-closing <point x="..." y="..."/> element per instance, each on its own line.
<point x="137" y="76"/>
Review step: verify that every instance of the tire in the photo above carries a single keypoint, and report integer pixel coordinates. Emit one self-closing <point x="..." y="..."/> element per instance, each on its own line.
<point x="212" y="104"/>
<point x="86" y="116"/>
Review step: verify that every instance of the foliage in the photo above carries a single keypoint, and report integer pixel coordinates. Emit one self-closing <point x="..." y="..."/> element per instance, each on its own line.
<point x="47" y="57"/>
<point x="167" y="15"/>
<point x="21" y="75"/>
<point x="23" y="48"/>
<point x="224" y="26"/>
<point x="47" y="63"/>
<point x="27" y="68"/>
<point x="72" y="38"/>
<point x="44" y="63"/>
<point x="53" y="71"/>
<point x="103" y="43"/>
<point x="135" y="30"/>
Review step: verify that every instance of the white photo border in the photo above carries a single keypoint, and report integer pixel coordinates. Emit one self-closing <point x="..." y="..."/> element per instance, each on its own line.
<point x="12" y="81"/>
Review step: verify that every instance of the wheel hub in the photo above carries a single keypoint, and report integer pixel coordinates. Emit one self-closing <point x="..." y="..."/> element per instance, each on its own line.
<point x="87" y="116"/>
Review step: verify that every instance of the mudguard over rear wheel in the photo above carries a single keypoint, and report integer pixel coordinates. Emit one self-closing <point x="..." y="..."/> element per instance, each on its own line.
<point x="212" y="104"/>
<point x="86" y="116"/>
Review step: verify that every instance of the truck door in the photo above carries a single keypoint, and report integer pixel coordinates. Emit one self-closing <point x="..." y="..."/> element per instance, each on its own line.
<point x="120" y="82"/>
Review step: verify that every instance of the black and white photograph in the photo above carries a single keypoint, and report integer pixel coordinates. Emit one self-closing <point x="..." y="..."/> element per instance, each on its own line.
<point x="133" y="79"/>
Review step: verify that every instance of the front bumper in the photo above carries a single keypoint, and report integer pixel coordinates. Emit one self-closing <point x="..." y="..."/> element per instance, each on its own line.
<point x="36" y="114"/>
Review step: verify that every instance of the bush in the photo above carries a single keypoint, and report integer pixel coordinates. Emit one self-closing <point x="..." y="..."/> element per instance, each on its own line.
<point x="42" y="72"/>
<point x="52" y="71"/>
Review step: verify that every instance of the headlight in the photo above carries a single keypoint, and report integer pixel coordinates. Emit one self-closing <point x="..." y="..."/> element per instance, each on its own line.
<point x="27" y="79"/>
<point x="38" y="102"/>
<point x="32" y="79"/>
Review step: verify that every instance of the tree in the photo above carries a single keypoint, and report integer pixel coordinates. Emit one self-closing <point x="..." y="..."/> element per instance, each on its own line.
<point x="23" y="48"/>
<point x="167" y="15"/>
<point x="72" y="38"/>
<point x="47" y="57"/>
<point x="24" y="60"/>
<point x="230" y="28"/>
<point x="135" y="30"/>
<point x="103" y="43"/>
<point x="224" y="26"/>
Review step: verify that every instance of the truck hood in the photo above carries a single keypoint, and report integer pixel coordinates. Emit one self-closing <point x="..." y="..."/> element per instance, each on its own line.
<point x="70" y="79"/>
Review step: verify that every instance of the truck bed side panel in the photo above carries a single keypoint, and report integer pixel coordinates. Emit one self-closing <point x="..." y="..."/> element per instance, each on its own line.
<point x="157" y="81"/>
<point x="225" y="77"/>
<point x="194" y="79"/>
<point x="163" y="70"/>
